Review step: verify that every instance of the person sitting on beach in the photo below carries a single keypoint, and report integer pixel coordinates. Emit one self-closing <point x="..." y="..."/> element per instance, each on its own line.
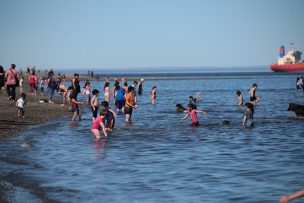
<point x="75" y="106"/>
<point x="296" y="195"/>
<point x="120" y="99"/>
<point x="239" y="99"/>
<point x="95" y="103"/>
<point x="248" y="115"/>
<point x="252" y="96"/>
<point x="180" y="108"/>
<point x="110" y="117"/>
<point x="193" y="113"/>
<point x="153" y="94"/>
<point x="21" y="104"/>
<point x="130" y="103"/>
<point x="98" y="125"/>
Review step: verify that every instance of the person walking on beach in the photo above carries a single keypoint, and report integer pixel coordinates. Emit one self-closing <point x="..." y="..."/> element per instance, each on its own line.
<point x="95" y="103"/>
<point x="153" y="94"/>
<point x="32" y="82"/>
<point x="52" y="86"/>
<point x="21" y="84"/>
<point x="98" y="125"/>
<point x="192" y="112"/>
<point x="21" y="104"/>
<point x="76" y="85"/>
<point x="2" y="78"/>
<point x="130" y="104"/>
<point x="252" y="96"/>
<point x="75" y="106"/>
<point x="248" y="115"/>
<point x="239" y="99"/>
<point x="12" y="81"/>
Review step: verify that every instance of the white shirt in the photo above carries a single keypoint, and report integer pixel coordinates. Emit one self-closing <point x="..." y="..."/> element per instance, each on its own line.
<point x="20" y="103"/>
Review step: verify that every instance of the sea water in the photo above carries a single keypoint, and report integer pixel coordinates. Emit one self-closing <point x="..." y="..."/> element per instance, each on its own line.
<point x="156" y="158"/>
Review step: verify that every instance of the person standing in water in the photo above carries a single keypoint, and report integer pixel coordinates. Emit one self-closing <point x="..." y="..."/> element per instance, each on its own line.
<point x="130" y="103"/>
<point x="239" y="99"/>
<point x="99" y="125"/>
<point x="75" y="106"/>
<point x="153" y="94"/>
<point x="95" y="103"/>
<point x="248" y="115"/>
<point x="140" y="88"/>
<point x="76" y="85"/>
<point x="106" y="89"/>
<point x="193" y="113"/>
<point x="252" y="96"/>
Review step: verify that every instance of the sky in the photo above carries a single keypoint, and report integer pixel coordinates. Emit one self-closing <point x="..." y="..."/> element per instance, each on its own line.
<point x="115" y="34"/>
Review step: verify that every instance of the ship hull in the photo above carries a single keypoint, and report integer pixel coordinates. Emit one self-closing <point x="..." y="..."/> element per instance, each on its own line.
<point x="287" y="67"/>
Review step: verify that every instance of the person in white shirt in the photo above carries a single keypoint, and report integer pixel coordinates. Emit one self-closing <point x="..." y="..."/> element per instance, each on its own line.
<point x="21" y="104"/>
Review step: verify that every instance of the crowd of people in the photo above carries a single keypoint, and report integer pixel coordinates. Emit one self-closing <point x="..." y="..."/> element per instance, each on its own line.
<point x="124" y="96"/>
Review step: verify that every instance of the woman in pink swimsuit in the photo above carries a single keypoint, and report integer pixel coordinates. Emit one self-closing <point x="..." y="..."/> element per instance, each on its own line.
<point x="193" y="113"/>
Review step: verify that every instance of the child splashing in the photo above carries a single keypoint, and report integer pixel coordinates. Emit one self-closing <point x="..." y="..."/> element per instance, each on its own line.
<point x="193" y="113"/>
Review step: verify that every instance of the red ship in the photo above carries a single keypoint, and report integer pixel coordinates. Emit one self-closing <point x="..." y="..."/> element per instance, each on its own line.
<point x="291" y="62"/>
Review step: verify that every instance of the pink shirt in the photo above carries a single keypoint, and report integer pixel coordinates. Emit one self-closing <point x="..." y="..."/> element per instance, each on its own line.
<point x="10" y="76"/>
<point x="96" y="123"/>
<point x="194" y="116"/>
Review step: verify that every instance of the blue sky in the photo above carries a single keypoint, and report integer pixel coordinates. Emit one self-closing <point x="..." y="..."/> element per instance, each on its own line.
<point x="111" y="34"/>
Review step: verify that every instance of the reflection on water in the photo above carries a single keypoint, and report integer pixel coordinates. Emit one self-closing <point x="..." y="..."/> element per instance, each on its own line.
<point x="159" y="159"/>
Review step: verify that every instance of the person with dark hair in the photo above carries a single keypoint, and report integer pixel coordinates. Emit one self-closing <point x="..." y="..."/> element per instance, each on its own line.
<point x="75" y="84"/>
<point x="75" y="106"/>
<point x="21" y="104"/>
<point x="248" y="115"/>
<point x="193" y="113"/>
<point x="120" y="99"/>
<point x="98" y="125"/>
<point x="153" y="94"/>
<point x="130" y="103"/>
<point x="95" y="103"/>
<point x="106" y="89"/>
<point x="239" y="99"/>
<point x="180" y="108"/>
<point x="252" y="96"/>
<point x="2" y="78"/>
<point x="192" y="101"/>
<point x="140" y="87"/>
<point x="52" y="85"/>
<point x="12" y="81"/>
<point x="110" y="117"/>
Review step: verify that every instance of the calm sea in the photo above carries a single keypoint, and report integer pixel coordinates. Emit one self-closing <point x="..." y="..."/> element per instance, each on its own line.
<point x="159" y="159"/>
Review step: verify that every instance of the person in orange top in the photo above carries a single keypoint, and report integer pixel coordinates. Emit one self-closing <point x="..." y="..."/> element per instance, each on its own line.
<point x="130" y="103"/>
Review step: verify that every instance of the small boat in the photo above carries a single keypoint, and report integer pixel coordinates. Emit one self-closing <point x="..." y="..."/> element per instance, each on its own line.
<point x="291" y="62"/>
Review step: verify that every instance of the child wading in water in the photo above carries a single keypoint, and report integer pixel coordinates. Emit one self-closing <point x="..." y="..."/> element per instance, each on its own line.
<point x="248" y="115"/>
<point x="153" y="94"/>
<point x="98" y="125"/>
<point x="193" y="113"/>
<point x="110" y="116"/>
<point x="21" y="104"/>
<point x="239" y="99"/>
<point x="95" y="103"/>
<point x="75" y="106"/>
<point x="130" y="103"/>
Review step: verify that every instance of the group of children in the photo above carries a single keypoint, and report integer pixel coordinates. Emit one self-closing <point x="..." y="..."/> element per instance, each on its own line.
<point x="247" y="116"/>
